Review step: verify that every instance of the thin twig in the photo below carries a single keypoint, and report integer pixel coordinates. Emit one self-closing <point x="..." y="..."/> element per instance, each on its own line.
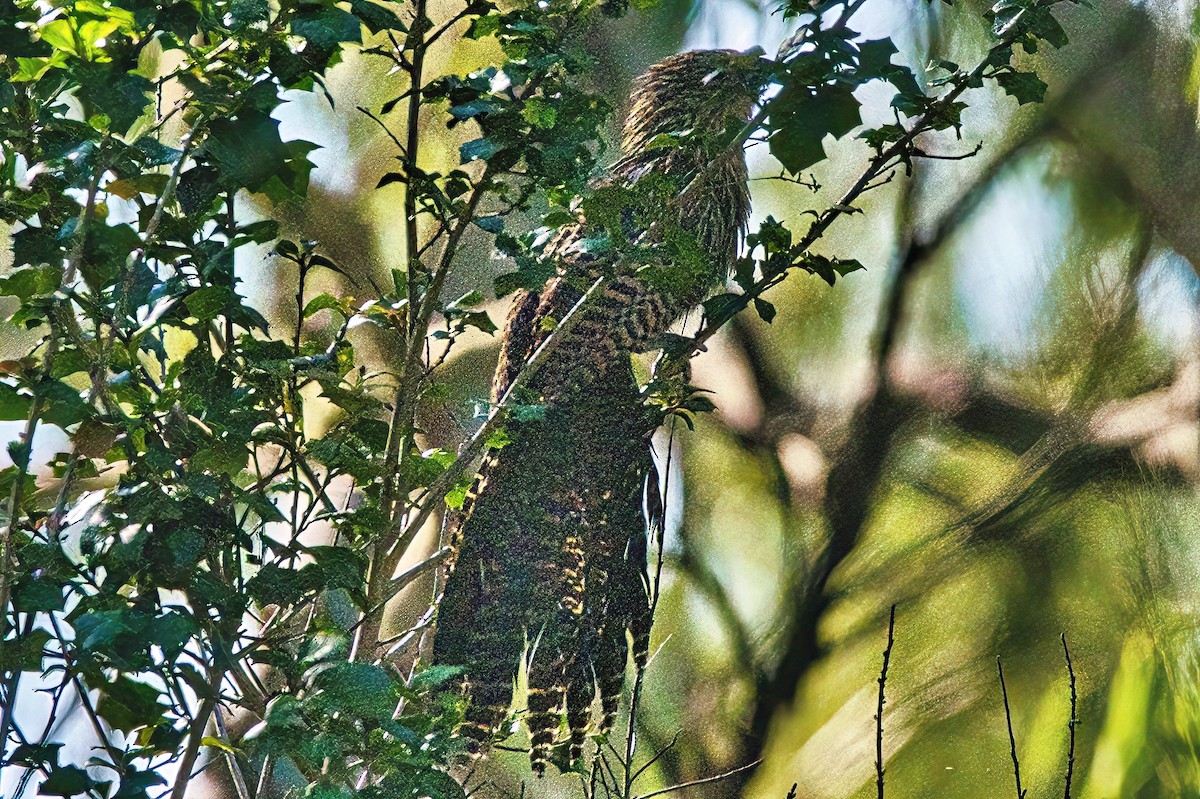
<point x="658" y="526"/>
<point x="264" y="778"/>
<point x="1072" y="722"/>
<point x="887" y="656"/>
<point x="658" y="754"/>
<point x="401" y="582"/>
<point x="196" y="733"/>
<point x="85" y="699"/>
<point x="385" y="129"/>
<point x="1012" y="741"/>
<point x="235" y="768"/>
<point x="903" y="147"/>
<point x="703" y="781"/>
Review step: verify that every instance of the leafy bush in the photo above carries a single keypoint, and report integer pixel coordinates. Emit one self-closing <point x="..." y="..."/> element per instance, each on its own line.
<point x="166" y="574"/>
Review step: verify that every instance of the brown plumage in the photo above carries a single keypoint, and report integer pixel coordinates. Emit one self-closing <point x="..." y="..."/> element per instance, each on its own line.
<point x="551" y="546"/>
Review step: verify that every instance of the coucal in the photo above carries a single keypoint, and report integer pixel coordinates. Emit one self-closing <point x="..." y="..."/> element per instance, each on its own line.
<point x="550" y="547"/>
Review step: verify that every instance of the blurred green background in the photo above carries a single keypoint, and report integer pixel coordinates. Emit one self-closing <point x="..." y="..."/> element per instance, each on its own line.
<point x="994" y="426"/>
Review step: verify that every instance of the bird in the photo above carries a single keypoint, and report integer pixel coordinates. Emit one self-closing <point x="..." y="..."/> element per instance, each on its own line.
<point x="549" y="550"/>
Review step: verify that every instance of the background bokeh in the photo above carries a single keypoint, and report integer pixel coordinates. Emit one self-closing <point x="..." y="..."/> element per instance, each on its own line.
<point x="994" y="426"/>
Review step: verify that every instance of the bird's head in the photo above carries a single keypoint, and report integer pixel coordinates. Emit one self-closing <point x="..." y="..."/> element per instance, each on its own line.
<point x="697" y="93"/>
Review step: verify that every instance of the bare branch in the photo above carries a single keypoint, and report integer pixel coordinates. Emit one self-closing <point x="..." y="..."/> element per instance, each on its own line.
<point x="1072" y="722"/>
<point x="1012" y="741"/>
<point x="887" y="656"/>
<point x="703" y="781"/>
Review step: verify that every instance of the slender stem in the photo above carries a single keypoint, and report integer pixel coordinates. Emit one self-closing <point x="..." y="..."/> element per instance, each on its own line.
<point x="389" y="549"/>
<point x="230" y="233"/>
<point x="878" y="165"/>
<point x="264" y="778"/>
<point x="1072" y="722"/>
<point x="235" y="768"/>
<point x="10" y="697"/>
<point x="196" y="733"/>
<point x="14" y="501"/>
<point x="703" y="781"/>
<point x="416" y="39"/>
<point x="402" y="581"/>
<point x="7" y="568"/>
<point x="639" y="677"/>
<point x="114" y="755"/>
<point x="658" y="754"/>
<point x="887" y="656"/>
<point x="413" y="334"/>
<point x="1012" y="740"/>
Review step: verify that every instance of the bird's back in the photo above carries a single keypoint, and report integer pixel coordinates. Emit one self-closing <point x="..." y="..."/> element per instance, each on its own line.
<point x="551" y="545"/>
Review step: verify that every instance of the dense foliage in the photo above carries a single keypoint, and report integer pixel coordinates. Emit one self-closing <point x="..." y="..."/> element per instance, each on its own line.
<point x="195" y="553"/>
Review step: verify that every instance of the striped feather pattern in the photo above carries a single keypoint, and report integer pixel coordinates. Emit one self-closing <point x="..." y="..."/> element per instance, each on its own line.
<point x="550" y="548"/>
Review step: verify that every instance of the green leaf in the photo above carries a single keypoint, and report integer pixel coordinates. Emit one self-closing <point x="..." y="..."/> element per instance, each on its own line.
<point x="36" y="755"/>
<point x="499" y="439"/>
<point x="469" y="300"/>
<point x="128" y="188"/>
<point x="481" y="321"/>
<point x="273" y="585"/>
<point x="539" y="113"/>
<point x="122" y="96"/>
<point x="287" y="249"/>
<point x="23" y="653"/>
<point x="247" y="150"/>
<point x="482" y="27"/>
<point x="259" y="232"/>
<point x="106" y="250"/>
<point x="38" y="595"/>
<point x="320" y="303"/>
<point x="156" y="153"/>
<point x="477" y="150"/>
<point x="66" y="781"/>
<point x="376" y="17"/>
<point x="127" y="704"/>
<point x="32" y="69"/>
<point x="390" y="178"/>
<point x="210" y="302"/>
<point x="800" y="121"/>
<point x="433" y="677"/>
<point x="721" y="307"/>
<point x="247" y="12"/>
<point x="99" y="630"/>
<point x="197" y="188"/>
<point x="845" y="266"/>
<point x="340" y="568"/>
<point x="30" y="282"/>
<point x="327" y="27"/>
<point x="456" y="497"/>
<point x="1026" y="87"/>
<point x="136" y="784"/>
<point x="60" y="35"/>
<point x="360" y="689"/>
<point x="766" y="311"/>
<point x="13" y="405"/>
<point x="172" y="631"/>
<point x="472" y="109"/>
<point x="492" y="224"/>
<point x="61" y="404"/>
<point x="1043" y="25"/>
<point x="875" y="61"/>
<point x="217" y="743"/>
